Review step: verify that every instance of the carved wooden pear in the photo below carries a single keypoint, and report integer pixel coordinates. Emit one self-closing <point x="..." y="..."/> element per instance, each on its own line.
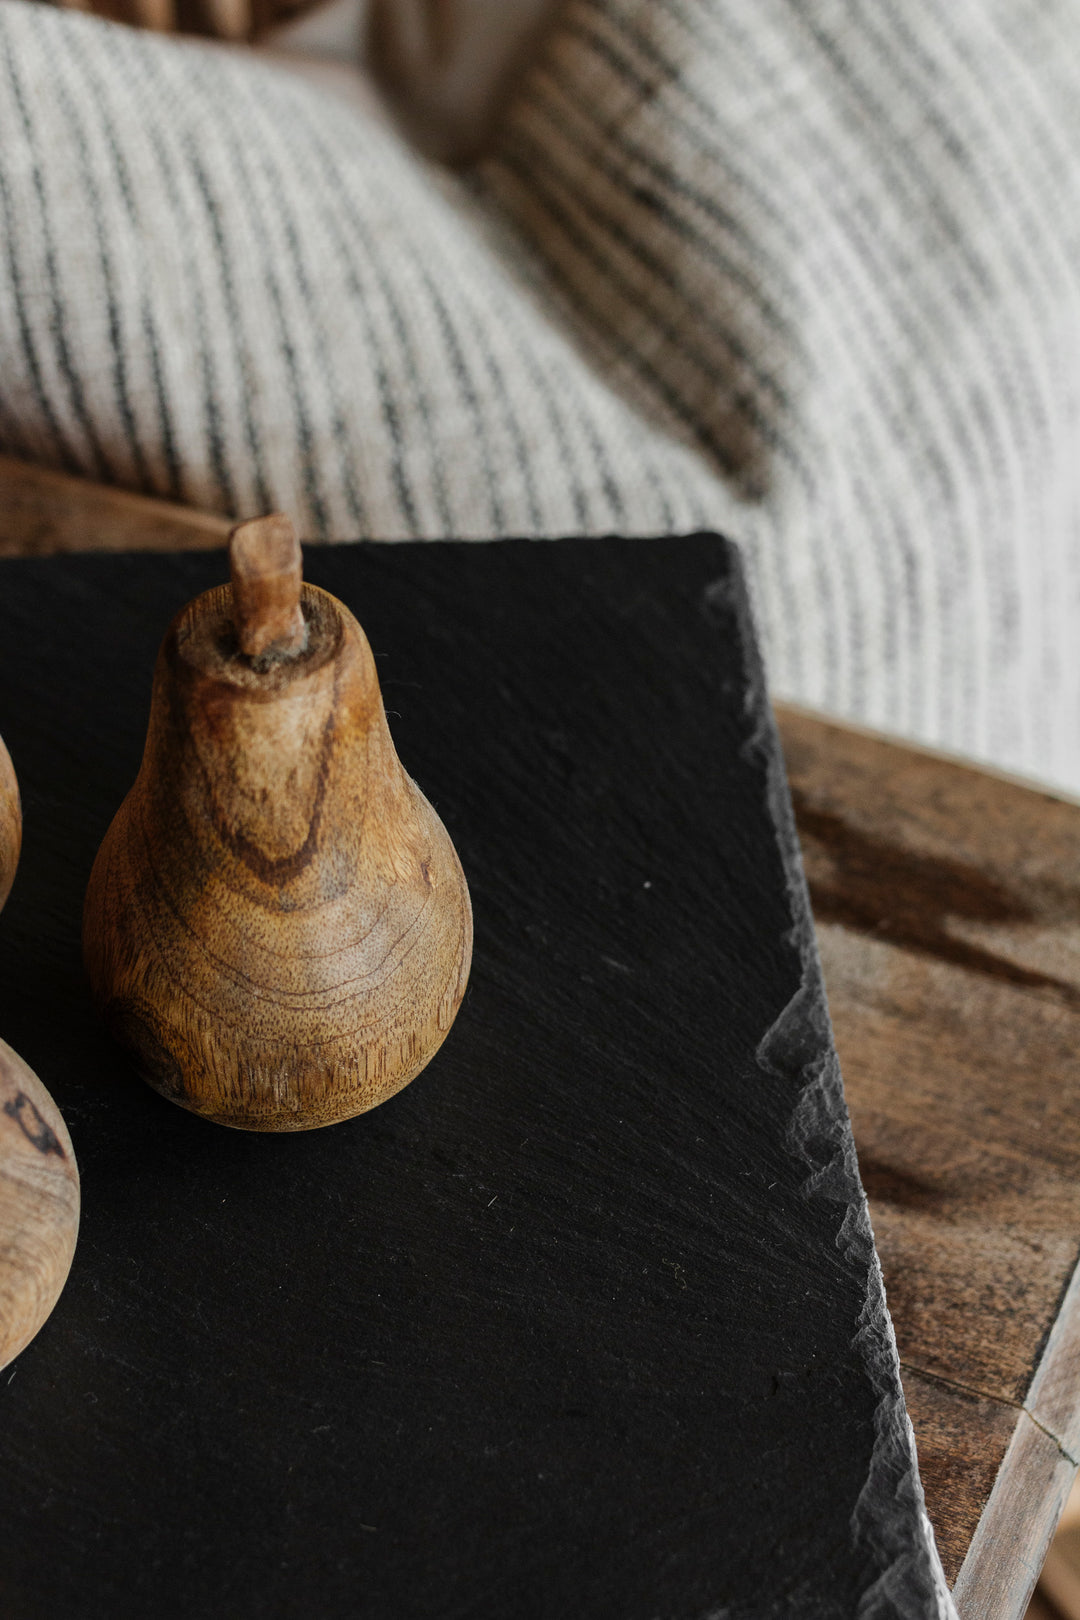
<point x="39" y="1204"/>
<point x="39" y="1181"/>
<point x="277" y="922"/>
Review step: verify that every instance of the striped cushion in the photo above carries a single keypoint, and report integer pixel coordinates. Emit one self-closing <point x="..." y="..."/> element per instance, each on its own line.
<point x="834" y="246"/>
<point x="804" y="273"/>
<point x="221" y="286"/>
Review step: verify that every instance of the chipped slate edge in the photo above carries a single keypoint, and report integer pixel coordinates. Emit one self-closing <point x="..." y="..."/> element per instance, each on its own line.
<point x="890" y="1517"/>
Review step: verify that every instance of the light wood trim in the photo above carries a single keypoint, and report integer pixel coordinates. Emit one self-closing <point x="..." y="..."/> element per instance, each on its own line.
<point x="1007" y="1550"/>
<point x="1033" y="1484"/>
<point x="1053" y="1399"/>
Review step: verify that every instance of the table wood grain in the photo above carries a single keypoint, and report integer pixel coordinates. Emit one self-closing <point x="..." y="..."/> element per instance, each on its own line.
<point x="947" y="903"/>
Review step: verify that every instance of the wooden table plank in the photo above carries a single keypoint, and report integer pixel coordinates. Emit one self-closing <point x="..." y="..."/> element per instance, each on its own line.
<point x="1004" y="1560"/>
<point x="947" y="902"/>
<point x="962" y="1440"/>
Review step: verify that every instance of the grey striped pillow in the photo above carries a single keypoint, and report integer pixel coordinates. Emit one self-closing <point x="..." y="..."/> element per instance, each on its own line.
<point x="222" y="286"/>
<point x="809" y="277"/>
<point x="835" y="247"/>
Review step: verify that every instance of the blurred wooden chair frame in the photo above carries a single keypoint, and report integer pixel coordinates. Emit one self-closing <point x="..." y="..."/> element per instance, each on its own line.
<point x="222" y="19"/>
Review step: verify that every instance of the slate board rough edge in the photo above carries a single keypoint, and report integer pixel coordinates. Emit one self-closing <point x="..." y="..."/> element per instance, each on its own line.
<point x="800" y="1044"/>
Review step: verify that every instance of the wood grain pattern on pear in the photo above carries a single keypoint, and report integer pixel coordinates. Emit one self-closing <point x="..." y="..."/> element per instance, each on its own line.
<point x="277" y="922"/>
<point x="39" y="1204"/>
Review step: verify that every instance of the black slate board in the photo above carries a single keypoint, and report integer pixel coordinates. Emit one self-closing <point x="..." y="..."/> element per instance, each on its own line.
<point x="587" y="1321"/>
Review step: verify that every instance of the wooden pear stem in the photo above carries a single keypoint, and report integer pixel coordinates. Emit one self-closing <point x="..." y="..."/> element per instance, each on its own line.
<point x="267" y="569"/>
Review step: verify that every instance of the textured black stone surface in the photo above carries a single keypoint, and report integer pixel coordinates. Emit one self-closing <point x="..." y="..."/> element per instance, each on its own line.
<point x="584" y="1323"/>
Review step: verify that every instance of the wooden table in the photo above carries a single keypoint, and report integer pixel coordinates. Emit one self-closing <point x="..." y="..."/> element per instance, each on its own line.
<point x="947" y="903"/>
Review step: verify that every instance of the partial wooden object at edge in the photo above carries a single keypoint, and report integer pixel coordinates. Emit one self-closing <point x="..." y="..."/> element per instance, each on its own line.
<point x="222" y="19"/>
<point x="39" y="1204"/>
<point x="39" y="1180"/>
<point x="10" y="823"/>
